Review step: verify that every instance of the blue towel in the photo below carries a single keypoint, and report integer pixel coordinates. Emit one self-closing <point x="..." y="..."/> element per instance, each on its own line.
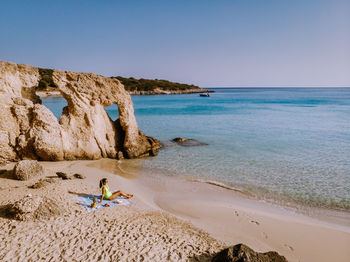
<point x="86" y="201"/>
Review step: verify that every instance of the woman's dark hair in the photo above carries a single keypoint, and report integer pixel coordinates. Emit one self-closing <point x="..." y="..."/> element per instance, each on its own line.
<point x="102" y="181"/>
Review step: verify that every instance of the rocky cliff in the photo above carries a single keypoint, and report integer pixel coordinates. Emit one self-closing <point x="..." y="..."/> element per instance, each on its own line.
<point x="28" y="130"/>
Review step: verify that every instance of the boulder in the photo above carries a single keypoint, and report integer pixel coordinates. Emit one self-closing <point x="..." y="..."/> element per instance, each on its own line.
<point x="28" y="169"/>
<point x="25" y="208"/>
<point x="243" y="253"/>
<point x="34" y="207"/>
<point x="28" y="130"/>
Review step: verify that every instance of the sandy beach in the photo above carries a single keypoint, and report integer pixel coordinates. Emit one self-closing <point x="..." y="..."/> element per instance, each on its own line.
<point x="182" y="131"/>
<point x="169" y="220"/>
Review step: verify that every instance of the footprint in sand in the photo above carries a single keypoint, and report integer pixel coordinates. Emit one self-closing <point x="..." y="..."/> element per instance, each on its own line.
<point x="236" y="213"/>
<point x="255" y="222"/>
<point x="264" y="235"/>
<point x="289" y="247"/>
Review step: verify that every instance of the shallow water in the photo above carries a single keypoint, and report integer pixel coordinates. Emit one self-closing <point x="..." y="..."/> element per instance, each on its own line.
<point x="285" y="144"/>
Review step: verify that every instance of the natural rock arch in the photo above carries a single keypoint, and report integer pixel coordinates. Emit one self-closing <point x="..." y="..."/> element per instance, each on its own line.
<point x="84" y="131"/>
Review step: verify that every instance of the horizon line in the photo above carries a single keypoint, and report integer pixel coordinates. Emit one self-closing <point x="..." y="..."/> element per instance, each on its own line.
<point x="222" y="87"/>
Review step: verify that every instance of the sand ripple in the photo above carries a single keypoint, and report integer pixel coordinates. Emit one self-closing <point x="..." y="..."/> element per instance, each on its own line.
<point x="130" y="235"/>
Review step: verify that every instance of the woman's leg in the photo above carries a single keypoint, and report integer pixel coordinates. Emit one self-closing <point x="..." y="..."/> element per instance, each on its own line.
<point x="119" y="193"/>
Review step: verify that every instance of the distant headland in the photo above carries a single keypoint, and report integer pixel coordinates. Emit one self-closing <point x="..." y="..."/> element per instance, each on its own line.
<point x="132" y="85"/>
<point x="157" y="87"/>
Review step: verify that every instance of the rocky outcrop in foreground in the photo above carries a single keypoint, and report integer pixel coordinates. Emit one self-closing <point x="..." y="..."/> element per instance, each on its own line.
<point x="34" y="207"/>
<point x="28" y="130"/>
<point x="243" y="253"/>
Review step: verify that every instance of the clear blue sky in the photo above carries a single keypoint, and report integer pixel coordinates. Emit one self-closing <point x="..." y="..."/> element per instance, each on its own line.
<point x="209" y="43"/>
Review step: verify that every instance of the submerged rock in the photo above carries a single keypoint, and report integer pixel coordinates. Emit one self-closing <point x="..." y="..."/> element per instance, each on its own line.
<point x="179" y="139"/>
<point x="243" y="253"/>
<point x="28" y="130"/>
<point x="28" y="169"/>
<point x="188" y="142"/>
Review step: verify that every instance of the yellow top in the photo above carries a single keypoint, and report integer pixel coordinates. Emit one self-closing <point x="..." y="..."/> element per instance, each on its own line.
<point x="107" y="192"/>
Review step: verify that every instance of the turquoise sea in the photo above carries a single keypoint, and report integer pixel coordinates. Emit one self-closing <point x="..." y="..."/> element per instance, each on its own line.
<point x="290" y="145"/>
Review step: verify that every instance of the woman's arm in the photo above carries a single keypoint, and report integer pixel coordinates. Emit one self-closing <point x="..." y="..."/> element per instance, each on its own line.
<point x="103" y="193"/>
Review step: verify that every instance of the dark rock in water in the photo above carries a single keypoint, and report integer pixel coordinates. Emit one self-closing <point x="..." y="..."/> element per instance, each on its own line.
<point x="188" y="142"/>
<point x="79" y="176"/>
<point x="62" y="175"/>
<point x="243" y="253"/>
<point x="27" y="169"/>
<point x="179" y="139"/>
<point x="165" y="144"/>
<point x="193" y="142"/>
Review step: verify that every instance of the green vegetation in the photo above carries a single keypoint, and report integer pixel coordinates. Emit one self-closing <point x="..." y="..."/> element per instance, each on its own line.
<point x="133" y="84"/>
<point x="46" y="82"/>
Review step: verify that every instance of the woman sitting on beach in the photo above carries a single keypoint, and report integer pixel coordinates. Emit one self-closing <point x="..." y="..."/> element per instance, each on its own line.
<point x="108" y="194"/>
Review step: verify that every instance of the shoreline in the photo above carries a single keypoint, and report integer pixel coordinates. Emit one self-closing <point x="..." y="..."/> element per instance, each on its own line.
<point x="228" y="217"/>
<point x="44" y="94"/>
<point x="334" y="216"/>
<point x="217" y="215"/>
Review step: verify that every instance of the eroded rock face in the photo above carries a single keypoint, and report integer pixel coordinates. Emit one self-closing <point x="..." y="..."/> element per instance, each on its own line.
<point x="243" y="253"/>
<point x="28" y="130"/>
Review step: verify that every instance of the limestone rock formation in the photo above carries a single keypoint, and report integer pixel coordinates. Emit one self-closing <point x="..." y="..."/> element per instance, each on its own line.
<point x="34" y="207"/>
<point x="28" y="169"/>
<point x="25" y="208"/>
<point x="243" y="253"/>
<point x="28" y="130"/>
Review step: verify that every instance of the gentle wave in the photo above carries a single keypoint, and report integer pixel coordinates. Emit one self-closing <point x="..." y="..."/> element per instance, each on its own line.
<point x="289" y="145"/>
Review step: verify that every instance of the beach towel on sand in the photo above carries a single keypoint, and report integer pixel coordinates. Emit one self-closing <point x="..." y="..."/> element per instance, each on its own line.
<point x="86" y="201"/>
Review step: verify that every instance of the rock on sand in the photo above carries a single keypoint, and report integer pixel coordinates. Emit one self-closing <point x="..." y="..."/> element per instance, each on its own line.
<point x="27" y="169"/>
